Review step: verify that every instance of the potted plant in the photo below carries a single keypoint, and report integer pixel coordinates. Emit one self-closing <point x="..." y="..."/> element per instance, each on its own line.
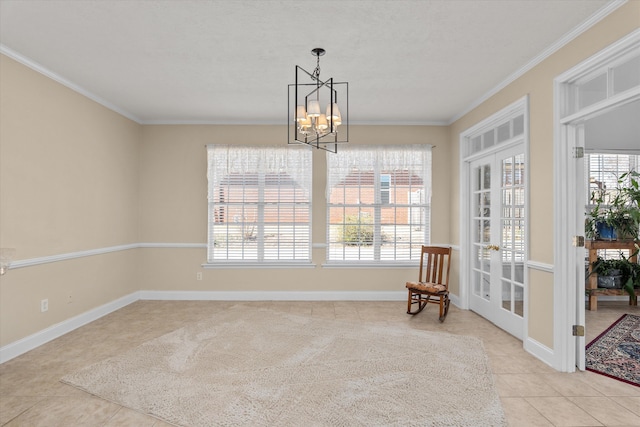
<point x="618" y="273"/>
<point x="609" y="272"/>
<point x="616" y="213"/>
<point x="631" y="273"/>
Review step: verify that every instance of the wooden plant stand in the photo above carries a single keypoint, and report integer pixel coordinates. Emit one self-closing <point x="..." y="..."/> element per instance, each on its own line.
<point x="592" y="289"/>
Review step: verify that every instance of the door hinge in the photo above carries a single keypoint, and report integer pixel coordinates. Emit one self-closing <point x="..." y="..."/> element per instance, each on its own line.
<point x="578" y="152"/>
<point x="578" y="241"/>
<point x="578" y="330"/>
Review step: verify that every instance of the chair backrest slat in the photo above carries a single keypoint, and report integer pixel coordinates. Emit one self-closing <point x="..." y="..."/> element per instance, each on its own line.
<point x="435" y="265"/>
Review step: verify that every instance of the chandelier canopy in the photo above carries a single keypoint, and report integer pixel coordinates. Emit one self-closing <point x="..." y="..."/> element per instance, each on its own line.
<point x="308" y="122"/>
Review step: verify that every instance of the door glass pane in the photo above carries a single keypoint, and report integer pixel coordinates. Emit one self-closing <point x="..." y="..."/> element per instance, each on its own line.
<point x="518" y="170"/>
<point x="506" y="295"/>
<point x="477" y="205"/>
<point x="486" y="231"/>
<point x="506" y="238"/>
<point x="487" y="177"/>
<point x="506" y="268"/>
<point x="519" y="271"/>
<point x="477" y="230"/>
<point x="518" y="300"/>
<point x="486" y="204"/>
<point x="486" y="282"/>
<point x="477" y="283"/>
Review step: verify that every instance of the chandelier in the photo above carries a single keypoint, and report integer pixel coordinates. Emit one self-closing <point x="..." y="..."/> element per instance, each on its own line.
<point x="308" y="122"/>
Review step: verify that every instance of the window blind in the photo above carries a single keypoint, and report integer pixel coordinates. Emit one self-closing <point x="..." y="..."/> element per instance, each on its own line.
<point x="378" y="203"/>
<point x="259" y="204"/>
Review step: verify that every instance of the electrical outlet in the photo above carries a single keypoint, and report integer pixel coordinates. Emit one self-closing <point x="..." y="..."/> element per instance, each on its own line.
<point x="199" y="275"/>
<point x="44" y="305"/>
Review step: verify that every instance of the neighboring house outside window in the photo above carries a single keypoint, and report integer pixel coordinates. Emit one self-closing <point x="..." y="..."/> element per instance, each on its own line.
<point x="259" y="204"/>
<point x="378" y="203"/>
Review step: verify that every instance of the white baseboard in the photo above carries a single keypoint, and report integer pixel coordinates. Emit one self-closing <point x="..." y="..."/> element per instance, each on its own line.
<point x="541" y="351"/>
<point x="26" y="344"/>
<point x="274" y="295"/>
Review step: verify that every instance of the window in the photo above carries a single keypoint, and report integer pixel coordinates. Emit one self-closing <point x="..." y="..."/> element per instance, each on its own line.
<point x="602" y="171"/>
<point x="259" y="204"/>
<point x="378" y="203"/>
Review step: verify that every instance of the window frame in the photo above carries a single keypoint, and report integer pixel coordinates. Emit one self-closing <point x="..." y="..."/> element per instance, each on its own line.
<point x="237" y="165"/>
<point x="375" y="208"/>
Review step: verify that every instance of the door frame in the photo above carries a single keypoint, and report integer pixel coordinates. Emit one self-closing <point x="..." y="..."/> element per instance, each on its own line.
<point x="568" y="350"/>
<point x="521" y="106"/>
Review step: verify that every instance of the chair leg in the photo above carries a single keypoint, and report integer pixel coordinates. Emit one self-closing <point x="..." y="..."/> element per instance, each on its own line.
<point x="444" y="304"/>
<point x="416" y="299"/>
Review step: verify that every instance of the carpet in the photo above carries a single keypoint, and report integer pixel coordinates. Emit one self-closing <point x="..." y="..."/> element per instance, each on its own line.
<point x="616" y="352"/>
<point x="265" y="368"/>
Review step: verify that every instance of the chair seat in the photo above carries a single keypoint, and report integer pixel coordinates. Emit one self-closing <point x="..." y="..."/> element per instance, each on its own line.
<point x="426" y="287"/>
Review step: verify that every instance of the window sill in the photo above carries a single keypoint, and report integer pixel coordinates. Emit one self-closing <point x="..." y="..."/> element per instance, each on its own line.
<point x="252" y="265"/>
<point x="371" y="264"/>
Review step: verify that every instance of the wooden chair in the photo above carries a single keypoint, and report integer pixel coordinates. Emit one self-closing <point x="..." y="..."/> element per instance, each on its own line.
<point x="432" y="286"/>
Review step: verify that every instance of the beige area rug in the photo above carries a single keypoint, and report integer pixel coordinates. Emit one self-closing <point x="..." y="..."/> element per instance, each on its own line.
<point x="265" y="368"/>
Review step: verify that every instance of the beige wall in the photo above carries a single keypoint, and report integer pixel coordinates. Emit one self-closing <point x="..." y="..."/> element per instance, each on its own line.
<point x="538" y="84"/>
<point x="173" y="189"/>
<point x="75" y="176"/>
<point x="68" y="183"/>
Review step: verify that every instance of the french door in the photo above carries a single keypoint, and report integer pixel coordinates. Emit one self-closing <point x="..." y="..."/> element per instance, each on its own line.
<point x="497" y="237"/>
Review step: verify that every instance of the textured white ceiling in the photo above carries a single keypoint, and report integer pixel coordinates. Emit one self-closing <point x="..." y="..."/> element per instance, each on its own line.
<point x="230" y="61"/>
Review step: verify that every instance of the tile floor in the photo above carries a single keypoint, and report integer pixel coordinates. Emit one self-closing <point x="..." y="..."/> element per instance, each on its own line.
<point x="532" y="393"/>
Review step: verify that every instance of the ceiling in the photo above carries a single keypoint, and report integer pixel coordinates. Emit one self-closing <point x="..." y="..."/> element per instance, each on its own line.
<point x="230" y="61"/>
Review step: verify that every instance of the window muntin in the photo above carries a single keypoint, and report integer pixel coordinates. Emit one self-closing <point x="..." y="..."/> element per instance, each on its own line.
<point x="259" y="204"/>
<point x="378" y="203"/>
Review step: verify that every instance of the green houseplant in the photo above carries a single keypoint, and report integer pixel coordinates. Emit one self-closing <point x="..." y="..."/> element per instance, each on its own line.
<point x="609" y="271"/>
<point x="618" y="273"/>
<point x="616" y="213"/>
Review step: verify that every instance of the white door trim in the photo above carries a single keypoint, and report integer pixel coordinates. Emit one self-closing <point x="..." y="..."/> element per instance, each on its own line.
<point x="566" y="258"/>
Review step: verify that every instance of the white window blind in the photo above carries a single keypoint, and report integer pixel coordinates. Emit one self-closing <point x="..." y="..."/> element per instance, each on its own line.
<point x="259" y="204"/>
<point x="378" y="203"/>
<point x="603" y="171"/>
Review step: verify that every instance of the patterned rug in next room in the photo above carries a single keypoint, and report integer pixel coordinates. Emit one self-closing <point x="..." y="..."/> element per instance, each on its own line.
<point x="616" y="352"/>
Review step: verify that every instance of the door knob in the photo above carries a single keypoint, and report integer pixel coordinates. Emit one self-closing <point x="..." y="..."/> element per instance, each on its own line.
<point x="493" y="247"/>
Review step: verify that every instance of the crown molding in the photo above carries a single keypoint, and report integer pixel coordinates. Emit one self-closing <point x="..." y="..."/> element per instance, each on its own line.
<point x="58" y="78"/>
<point x="594" y="19"/>
<point x="560" y="43"/>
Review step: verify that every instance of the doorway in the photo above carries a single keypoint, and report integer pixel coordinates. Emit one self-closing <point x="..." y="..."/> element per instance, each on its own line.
<point x="598" y="91"/>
